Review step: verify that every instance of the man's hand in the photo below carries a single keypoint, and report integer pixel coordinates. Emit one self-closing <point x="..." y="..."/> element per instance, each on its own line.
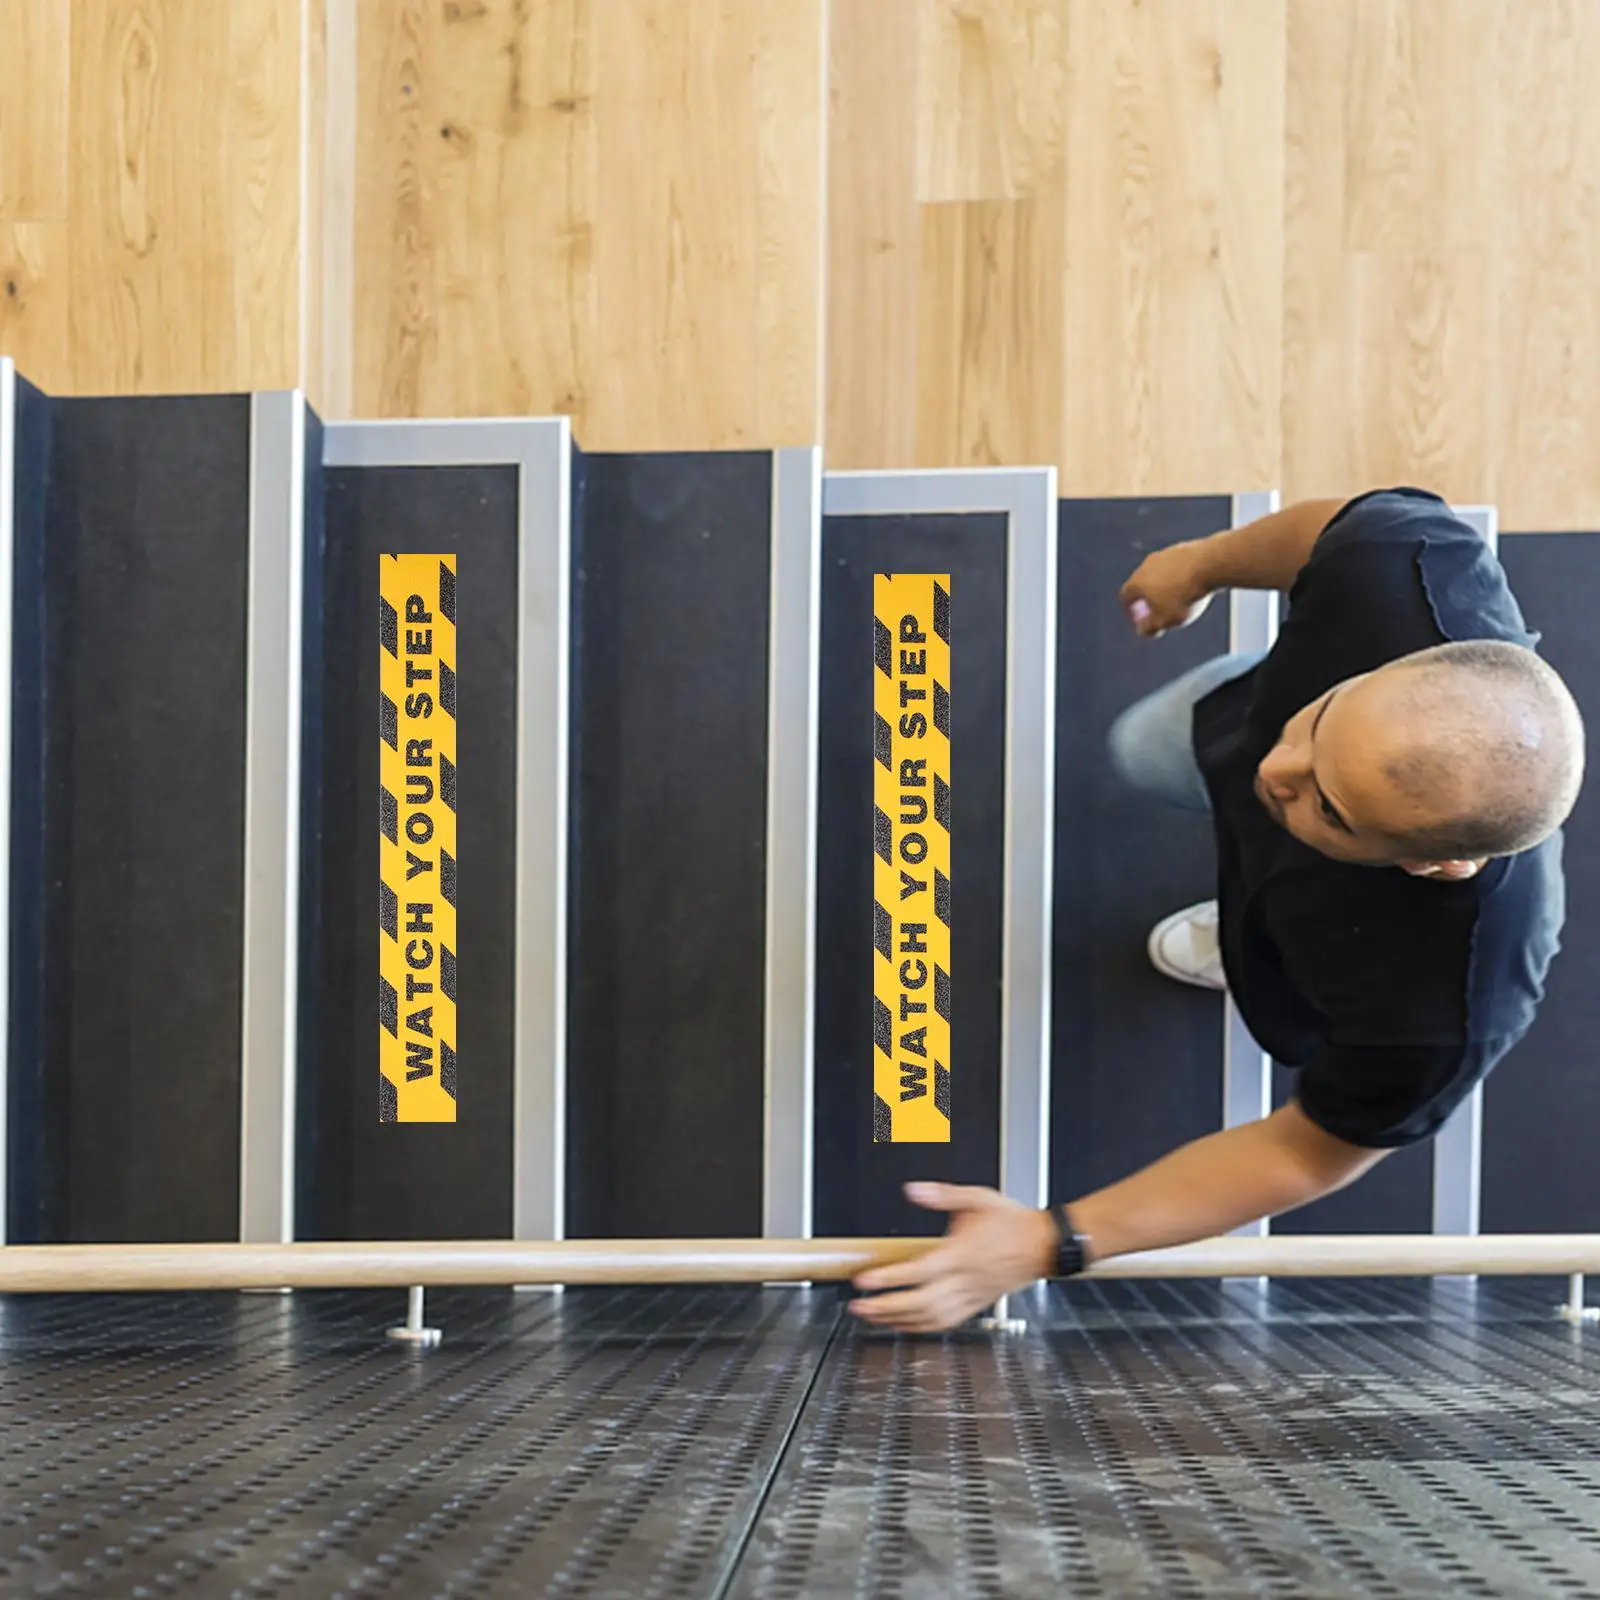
<point x="1169" y="589"/>
<point x="993" y="1248"/>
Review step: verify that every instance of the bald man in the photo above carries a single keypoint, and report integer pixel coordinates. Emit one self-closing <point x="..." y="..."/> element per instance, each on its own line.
<point x="1386" y="787"/>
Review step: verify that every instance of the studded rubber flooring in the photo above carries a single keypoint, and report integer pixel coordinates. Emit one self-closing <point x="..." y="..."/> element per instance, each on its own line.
<point x="1382" y="1441"/>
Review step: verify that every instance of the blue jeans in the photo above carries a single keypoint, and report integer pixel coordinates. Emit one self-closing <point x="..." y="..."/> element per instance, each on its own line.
<point x="1152" y="742"/>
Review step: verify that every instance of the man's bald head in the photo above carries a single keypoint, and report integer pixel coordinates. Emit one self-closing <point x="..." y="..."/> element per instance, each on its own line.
<point x="1452" y="755"/>
<point x="1487" y="744"/>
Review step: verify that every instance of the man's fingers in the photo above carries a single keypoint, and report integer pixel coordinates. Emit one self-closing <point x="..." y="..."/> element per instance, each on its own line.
<point x="890" y="1309"/>
<point x="905" y="1274"/>
<point x="1144" y="619"/>
<point x="902" y="1275"/>
<point x="916" y="1311"/>
<point x="949" y="1196"/>
<point x="927" y="1310"/>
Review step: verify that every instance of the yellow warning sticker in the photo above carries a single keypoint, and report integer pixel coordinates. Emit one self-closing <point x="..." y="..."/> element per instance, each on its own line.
<point x="417" y="838"/>
<point x="911" y="865"/>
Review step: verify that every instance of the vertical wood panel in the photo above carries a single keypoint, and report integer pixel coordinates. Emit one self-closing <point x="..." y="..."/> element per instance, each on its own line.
<point x="874" y="233"/>
<point x="312" y="153"/>
<point x="394" y="238"/>
<point x="674" y="242"/>
<point x="33" y="301"/>
<point x="184" y="210"/>
<point x="1547" y="232"/>
<point x="992" y="99"/>
<point x="551" y="309"/>
<point x="331" y="214"/>
<point x="693" y="245"/>
<point x="1174" y="245"/>
<point x="608" y="212"/>
<point x="34" y="71"/>
<point x="1391" y="224"/>
<point x="263" y="181"/>
<point x="474" y="278"/>
<point x="129" y="207"/>
<point x="990" y="350"/>
<point x="791" y="99"/>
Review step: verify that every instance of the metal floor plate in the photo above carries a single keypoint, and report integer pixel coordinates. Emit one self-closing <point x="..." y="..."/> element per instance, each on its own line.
<point x="586" y="1445"/>
<point x="1375" y="1441"/>
<point x="1387" y="1441"/>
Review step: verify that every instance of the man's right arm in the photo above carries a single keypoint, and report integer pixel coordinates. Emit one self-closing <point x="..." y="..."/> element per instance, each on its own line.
<point x="1269" y="552"/>
<point x="1171" y="586"/>
<point x="1220" y="1182"/>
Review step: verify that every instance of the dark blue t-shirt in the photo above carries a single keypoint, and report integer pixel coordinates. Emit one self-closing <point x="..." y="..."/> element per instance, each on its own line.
<point x="1393" y="995"/>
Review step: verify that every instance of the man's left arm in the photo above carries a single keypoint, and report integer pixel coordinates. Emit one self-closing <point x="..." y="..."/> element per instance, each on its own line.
<point x="1201" y="1190"/>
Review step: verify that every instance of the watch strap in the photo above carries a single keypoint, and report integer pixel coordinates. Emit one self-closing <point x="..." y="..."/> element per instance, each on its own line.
<point x="1071" y="1247"/>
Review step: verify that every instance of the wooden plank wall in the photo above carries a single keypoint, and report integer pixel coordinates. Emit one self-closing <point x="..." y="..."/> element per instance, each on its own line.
<point x="1192" y="246"/>
<point x="150" y="193"/>
<point x="1174" y="246"/>
<point x="612" y="211"/>
<point x="35" y="82"/>
<point x="1442" y="243"/>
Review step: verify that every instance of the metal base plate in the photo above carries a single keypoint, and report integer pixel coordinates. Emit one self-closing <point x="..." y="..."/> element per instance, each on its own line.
<point x="1382" y="1440"/>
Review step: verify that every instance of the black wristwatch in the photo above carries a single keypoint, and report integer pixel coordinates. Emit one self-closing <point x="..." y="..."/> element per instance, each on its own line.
<point x="1072" y="1249"/>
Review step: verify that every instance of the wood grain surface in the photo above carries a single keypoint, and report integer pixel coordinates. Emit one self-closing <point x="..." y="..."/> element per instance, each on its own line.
<point x="1172" y="246"/>
<point x="611" y="212"/>
<point x="35" y="68"/>
<point x="874" y="235"/>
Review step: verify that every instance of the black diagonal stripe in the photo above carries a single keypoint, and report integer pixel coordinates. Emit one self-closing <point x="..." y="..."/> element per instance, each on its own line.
<point x="388" y="816"/>
<point x="447" y="877"/>
<point x="941" y="1089"/>
<point x="880" y="834"/>
<point x="882" y="742"/>
<point x="882" y="648"/>
<point x="941" y="802"/>
<point x="941" y="612"/>
<point x="447" y="689"/>
<point x="388" y="910"/>
<point x="389" y="1007"/>
<point x="388" y="1101"/>
<point x="447" y="1069"/>
<point x="447" y="973"/>
<point x="389" y="721"/>
<point x="941" y="709"/>
<point x="882" y="1027"/>
<point x="882" y="930"/>
<point x="941" y="991"/>
<point x="447" y="594"/>
<point x="389" y="626"/>
<point x="447" y="781"/>
<point x="941" y="897"/>
<point x="882" y="1122"/>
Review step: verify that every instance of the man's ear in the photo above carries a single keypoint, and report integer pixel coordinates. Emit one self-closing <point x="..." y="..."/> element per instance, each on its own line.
<point x="1449" y="871"/>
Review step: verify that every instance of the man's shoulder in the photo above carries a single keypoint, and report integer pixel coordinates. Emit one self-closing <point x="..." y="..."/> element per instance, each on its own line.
<point x="1401" y="518"/>
<point x="1415" y="570"/>
<point x="1526" y="892"/>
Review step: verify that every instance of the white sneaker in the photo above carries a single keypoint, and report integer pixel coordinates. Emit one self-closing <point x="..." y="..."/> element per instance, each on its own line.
<point x="1187" y="947"/>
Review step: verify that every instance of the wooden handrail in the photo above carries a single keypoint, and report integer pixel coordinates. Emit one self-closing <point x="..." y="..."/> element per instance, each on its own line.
<point x="34" y="1269"/>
